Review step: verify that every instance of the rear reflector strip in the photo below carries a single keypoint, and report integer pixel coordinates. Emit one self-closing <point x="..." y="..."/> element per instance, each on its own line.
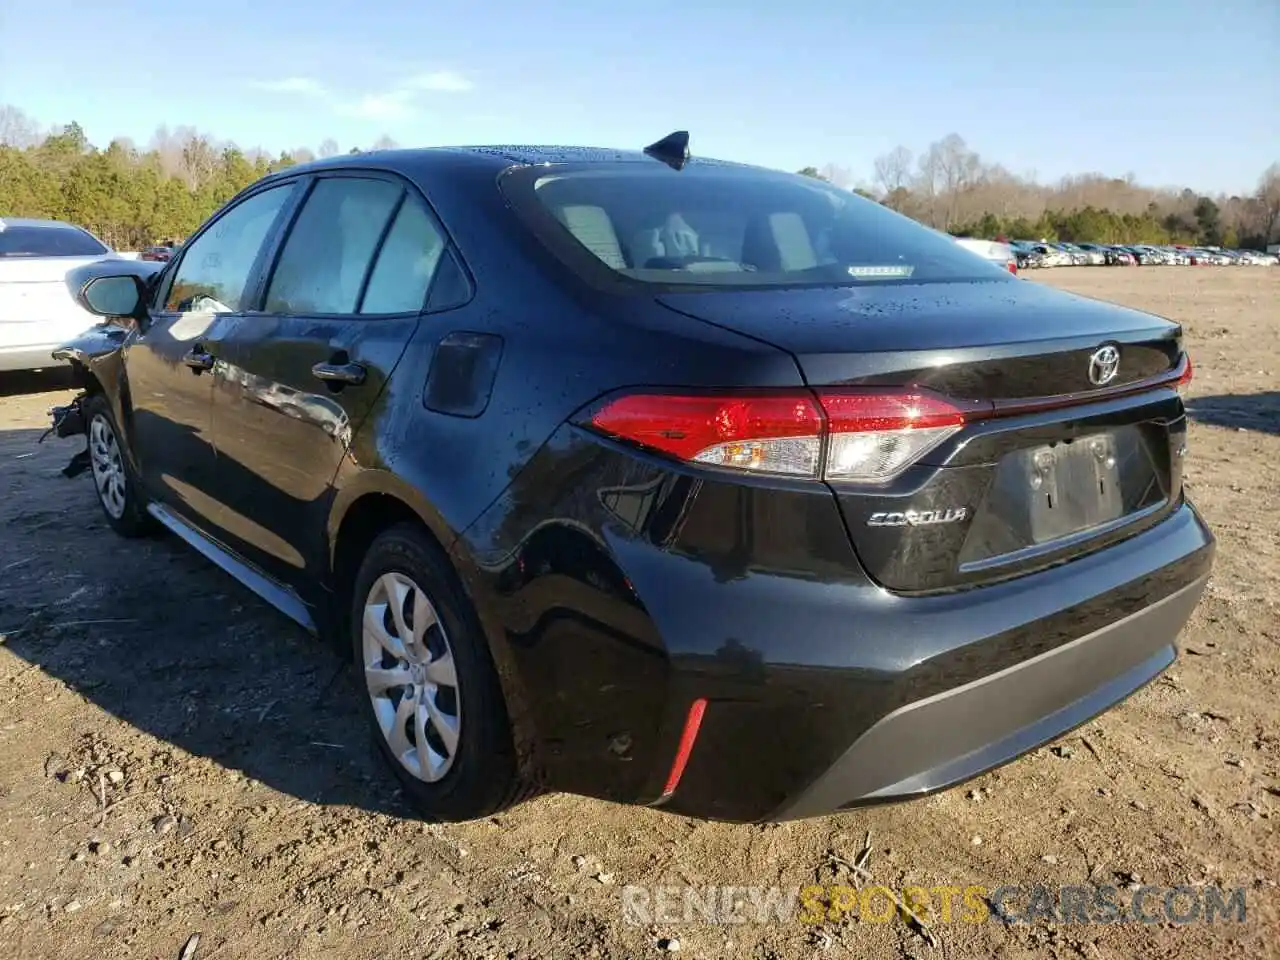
<point x="692" y="723"/>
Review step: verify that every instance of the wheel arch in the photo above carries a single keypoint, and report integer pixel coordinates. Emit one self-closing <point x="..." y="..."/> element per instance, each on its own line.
<point x="378" y="501"/>
<point x="369" y="503"/>
<point x="96" y="359"/>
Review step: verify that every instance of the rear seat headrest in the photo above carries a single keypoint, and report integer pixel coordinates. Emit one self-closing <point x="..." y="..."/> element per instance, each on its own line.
<point x="593" y="228"/>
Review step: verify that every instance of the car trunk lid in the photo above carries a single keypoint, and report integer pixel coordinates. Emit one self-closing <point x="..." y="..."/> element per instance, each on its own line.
<point x="1075" y="433"/>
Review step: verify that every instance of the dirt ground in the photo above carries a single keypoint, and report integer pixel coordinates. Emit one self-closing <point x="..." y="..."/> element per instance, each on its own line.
<point x="177" y="758"/>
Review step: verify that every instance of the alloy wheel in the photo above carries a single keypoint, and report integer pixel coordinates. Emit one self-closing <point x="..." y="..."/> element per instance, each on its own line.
<point x="108" y="466"/>
<point x="411" y="678"/>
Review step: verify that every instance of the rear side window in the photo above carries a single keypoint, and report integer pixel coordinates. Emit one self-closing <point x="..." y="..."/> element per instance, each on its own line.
<point x="721" y="226"/>
<point x="215" y="267"/>
<point x="406" y="263"/>
<point x="327" y="255"/>
<point x="51" y="241"/>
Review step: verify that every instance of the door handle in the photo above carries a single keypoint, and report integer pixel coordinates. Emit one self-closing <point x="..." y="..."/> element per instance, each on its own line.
<point x="197" y="359"/>
<point x="352" y="373"/>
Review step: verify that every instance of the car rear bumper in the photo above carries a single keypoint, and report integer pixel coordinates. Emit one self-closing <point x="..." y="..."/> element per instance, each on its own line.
<point x="952" y="736"/>
<point x="656" y="590"/>
<point x="870" y="697"/>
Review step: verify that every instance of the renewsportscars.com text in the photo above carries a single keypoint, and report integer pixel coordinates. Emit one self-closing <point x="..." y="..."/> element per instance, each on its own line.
<point x="1008" y="903"/>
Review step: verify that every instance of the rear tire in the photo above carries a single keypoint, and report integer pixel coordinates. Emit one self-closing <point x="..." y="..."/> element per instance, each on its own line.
<point x="428" y="683"/>
<point x="117" y="489"/>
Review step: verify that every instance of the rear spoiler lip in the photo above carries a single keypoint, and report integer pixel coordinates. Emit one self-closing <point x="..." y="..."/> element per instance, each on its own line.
<point x="1170" y="378"/>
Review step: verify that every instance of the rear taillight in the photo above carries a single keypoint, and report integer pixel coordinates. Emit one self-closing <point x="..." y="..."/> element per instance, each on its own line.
<point x="875" y="436"/>
<point x="1012" y="266"/>
<point x="1184" y="378"/>
<point x="847" y="435"/>
<point x="778" y="433"/>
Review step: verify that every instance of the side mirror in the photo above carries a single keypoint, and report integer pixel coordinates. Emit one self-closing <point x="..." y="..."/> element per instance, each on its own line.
<point x="120" y="296"/>
<point x="114" y="288"/>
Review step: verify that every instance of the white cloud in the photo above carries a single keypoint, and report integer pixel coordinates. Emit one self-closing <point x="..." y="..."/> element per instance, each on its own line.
<point x="398" y="102"/>
<point x="440" y="81"/>
<point x="393" y="105"/>
<point x="302" y="85"/>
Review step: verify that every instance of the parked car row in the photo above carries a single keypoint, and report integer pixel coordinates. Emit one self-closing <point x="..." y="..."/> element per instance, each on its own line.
<point x="1045" y="253"/>
<point x="992" y="250"/>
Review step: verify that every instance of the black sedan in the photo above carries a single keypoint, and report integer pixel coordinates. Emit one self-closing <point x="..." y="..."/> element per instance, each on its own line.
<point x="657" y="479"/>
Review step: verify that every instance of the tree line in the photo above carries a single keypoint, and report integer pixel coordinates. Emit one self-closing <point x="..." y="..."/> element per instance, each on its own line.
<point x="131" y="196"/>
<point x="951" y="187"/>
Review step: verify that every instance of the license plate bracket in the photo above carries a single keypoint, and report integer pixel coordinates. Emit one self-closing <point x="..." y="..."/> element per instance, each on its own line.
<point x="1074" y="485"/>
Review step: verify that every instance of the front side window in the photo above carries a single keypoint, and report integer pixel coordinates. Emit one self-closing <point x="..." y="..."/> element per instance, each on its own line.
<point x="324" y="261"/>
<point x="215" y="267"/>
<point x="713" y="225"/>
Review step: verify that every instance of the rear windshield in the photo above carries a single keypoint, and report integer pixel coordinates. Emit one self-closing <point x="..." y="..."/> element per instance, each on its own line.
<point x="711" y="226"/>
<point x="18" y="241"/>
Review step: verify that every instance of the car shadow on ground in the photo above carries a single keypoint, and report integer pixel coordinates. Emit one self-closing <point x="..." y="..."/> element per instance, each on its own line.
<point x="19" y="382"/>
<point x="1248" y="411"/>
<point x="156" y="636"/>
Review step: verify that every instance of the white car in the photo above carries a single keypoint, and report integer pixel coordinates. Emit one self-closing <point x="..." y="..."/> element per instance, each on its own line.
<point x="37" y="312"/>
<point x="1252" y="258"/>
<point x="998" y="253"/>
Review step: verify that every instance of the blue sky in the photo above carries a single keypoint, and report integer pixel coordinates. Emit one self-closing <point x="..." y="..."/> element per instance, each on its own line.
<point x="1178" y="92"/>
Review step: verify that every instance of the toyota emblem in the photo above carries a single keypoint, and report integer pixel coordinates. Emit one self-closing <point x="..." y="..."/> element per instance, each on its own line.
<point x="1104" y="365"/>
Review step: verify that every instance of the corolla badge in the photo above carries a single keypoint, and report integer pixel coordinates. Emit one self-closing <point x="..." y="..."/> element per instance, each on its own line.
<point x="1104" y="365"/>
<point x="917" y="518"/>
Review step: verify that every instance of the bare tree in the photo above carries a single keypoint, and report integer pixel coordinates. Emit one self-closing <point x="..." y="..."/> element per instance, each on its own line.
<point x="1268" y="197"/>
<point x="927" y="186"/>
<point x="17" y="129"/>
<point x="893" y="170"/>
<point x="958" y="169"/>
<point x="199" y="160"/>
<point x="384" y="142"/>
<point x="167" y="145"/>
<point x="329" y="147"/>
<point x="837" y="175"/>
<point x="122" y="150"/>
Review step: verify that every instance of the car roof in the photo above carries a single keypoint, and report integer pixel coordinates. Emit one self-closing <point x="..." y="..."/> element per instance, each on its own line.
<point x="35" y="222"/>
<point x="495" y="157"/>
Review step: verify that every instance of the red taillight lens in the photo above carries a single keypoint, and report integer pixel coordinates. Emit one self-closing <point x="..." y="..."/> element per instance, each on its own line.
<point x="861" y="412"/>
<point x="769" y="434"/>
<point x="1013" y="266"/>
<point x="870" y="436"/>
<point x="1184" y="378"/>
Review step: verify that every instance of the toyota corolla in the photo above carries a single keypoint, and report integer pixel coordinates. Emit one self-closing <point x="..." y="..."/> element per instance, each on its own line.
<point x="656" y="479"/>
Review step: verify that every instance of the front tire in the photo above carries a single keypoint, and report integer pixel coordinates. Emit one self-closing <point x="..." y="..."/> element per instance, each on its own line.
<point x="428" y="683"/>
<point x="117" y="489"/>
